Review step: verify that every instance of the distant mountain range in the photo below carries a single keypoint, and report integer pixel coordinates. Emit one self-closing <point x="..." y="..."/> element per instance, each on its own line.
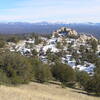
<point x="46" y="28"/>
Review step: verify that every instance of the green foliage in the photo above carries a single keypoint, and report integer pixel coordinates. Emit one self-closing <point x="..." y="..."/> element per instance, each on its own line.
<point x="14" y="39"/>
<point x="2" y="43"/>
<point x="88" y="56"/>
<point x="76" y="56"/>
<point x="91" y="57"/>
<point x="94" y="44"/>
<point x="61" y="53"/>
<point x="37" y="40"/>
<point x="82" y="77"/>
<point x="16" y="67"/>
<point x="82" y="48"/>
<point x="41" y="71"/>
<point x="96" y="84"/>
<point x="93" y="85"/>
<point x="48" y="51"/>
<point x="59" y="46"/>
<point x="52" y="57"/>
<point x="97" y="63"/>
<point x="63" y="73"/>
<point x="3" y="78"/>
<point x="34" y="52"/>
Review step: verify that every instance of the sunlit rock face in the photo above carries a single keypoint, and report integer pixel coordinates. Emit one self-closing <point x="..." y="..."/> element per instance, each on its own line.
<point x="85" y="38"/>
<point x="64" y="31"/>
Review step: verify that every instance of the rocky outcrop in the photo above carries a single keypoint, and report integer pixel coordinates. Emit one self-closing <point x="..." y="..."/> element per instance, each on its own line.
<point x="84" y="38"/>
<point x="64" y="31"/>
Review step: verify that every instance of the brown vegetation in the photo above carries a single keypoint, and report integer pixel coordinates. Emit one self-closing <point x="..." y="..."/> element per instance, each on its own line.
<point x="36" y="91"/>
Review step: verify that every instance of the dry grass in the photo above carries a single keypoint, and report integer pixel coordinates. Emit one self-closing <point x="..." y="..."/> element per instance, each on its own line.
<point x="36" y="91"/>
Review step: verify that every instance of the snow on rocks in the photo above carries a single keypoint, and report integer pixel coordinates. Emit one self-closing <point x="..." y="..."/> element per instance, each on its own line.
<point x="51" y="47"/>
<point x="88" y="69"/>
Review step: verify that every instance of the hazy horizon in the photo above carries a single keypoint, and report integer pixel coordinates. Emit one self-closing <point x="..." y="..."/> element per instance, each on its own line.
<point x="48" y="22"/>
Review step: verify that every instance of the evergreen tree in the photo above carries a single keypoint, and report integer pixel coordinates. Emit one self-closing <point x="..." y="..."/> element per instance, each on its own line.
<point x="16" y="67"/>
<point x="2" y="43"/>
<point x="63" y="73"/>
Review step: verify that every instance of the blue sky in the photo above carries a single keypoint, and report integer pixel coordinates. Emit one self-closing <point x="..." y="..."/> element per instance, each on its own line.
<point x="50" y="10"/>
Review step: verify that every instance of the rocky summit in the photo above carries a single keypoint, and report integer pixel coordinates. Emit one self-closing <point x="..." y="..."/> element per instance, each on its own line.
<point x="64" y="31"/>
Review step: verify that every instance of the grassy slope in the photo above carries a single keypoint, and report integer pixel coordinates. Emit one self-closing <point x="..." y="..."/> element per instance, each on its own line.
<point x="36" y="91"/>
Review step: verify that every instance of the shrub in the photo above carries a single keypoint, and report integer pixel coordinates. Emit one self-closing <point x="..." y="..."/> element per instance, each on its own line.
<point x="16" y="67"/>
<point x="82" y="77"/>
<point x="3" y="78"/>
<point x="63" y="73"/>
<point x="2" y="43"/>
<point x="37" y="40"/>
<point x="34" y="52"/>
<point x="96" y="79"/>
<point x="97" y="63"/>
<point x="52" y="57"/>
<point x="14" y="39"/>
<point x="94" y="44"/>
<point x="41" y="71"/>
<point x="93" y="84"/>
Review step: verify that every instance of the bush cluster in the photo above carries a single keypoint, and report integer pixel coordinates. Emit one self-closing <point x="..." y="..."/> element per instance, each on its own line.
<point x="18" y="69"/>
<point x="41" y="72"/>
<point x="91" y="84"/>
<point x="14" y="68"/>
<point x="63" y="73"/>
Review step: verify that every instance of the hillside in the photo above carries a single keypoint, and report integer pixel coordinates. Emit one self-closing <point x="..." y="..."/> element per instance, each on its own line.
<point x="36" y="91"/>
<point x="65" y="44"/>
<point x="65" y="56"/>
